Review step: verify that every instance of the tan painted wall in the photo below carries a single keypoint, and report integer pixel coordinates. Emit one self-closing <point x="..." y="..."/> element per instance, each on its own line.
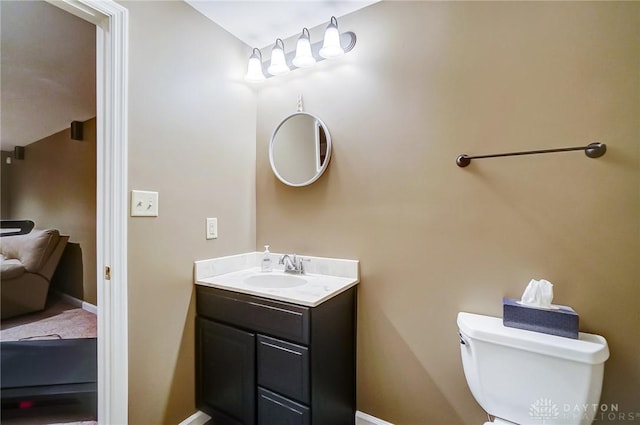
<point x="192" y="139"/>
<point x="426" y="82"/>
<point x="5" y="186"/>
<point x="55" y="186"/>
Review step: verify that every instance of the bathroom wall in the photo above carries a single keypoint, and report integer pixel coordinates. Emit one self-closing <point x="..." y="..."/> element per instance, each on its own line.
<point x="426" y="82"/>
<point x="192" y="139"/>
<point x="55" y="186"/>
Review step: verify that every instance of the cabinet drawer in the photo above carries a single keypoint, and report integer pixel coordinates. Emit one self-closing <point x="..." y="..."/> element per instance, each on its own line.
<point x="284" y="320"/>
<point x="283" y="367"/>
<point x="276" y="410"/>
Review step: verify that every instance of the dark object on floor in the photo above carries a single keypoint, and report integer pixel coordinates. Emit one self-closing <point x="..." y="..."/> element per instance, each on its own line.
<point x="49" y="371"/>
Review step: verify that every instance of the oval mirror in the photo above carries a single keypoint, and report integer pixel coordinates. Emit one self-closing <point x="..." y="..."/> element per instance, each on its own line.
<point x="300" y="149"/>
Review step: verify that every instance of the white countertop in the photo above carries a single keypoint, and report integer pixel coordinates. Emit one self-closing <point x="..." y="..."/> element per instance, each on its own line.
<point x="326" y="277"/>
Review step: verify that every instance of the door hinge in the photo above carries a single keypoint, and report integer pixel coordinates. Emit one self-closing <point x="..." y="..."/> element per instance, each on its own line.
<point x="107" y="273"/>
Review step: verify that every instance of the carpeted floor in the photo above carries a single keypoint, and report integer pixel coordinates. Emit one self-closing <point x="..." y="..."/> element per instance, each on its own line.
<point x="60" y="320"/>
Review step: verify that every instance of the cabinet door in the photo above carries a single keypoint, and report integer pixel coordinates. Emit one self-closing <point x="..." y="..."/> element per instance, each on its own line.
<point x="274" y="409"/>
<point x="225" y="373"/>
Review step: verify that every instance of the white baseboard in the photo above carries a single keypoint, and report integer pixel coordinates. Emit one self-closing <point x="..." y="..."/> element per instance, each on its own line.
<point x="365" y="419"/>
<point x="78" y="303"/>
<point x="89" y="307"/>
<point x="200" y="418"/>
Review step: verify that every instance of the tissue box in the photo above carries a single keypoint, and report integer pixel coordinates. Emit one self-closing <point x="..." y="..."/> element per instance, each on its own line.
<point x="562" y="321"/>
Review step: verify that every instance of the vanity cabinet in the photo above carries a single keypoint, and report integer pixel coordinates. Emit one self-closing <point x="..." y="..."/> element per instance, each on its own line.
<point x="267" y="362"/>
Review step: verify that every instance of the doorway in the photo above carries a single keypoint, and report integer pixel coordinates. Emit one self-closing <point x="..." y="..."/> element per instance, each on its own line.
<point x="111" y="20"/>
<point x="49" y="273"/>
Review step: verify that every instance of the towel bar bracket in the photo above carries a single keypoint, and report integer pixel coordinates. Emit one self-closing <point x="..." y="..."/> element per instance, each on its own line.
<point x="592" y="150"/>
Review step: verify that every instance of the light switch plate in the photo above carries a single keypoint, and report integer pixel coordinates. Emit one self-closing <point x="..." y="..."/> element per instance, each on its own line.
<point x="212" y="228"/>
<point x="144" y="203"/>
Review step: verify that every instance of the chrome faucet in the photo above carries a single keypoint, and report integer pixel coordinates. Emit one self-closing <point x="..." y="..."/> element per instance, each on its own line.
<point x="292" y="263"/>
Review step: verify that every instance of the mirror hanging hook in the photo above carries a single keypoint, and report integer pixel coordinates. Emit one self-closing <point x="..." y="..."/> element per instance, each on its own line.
<point x="299" y="108"/>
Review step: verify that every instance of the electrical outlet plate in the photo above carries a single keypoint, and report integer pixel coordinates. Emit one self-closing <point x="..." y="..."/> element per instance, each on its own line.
<point x="212" y="228"/>
<point x="144" y="203"/>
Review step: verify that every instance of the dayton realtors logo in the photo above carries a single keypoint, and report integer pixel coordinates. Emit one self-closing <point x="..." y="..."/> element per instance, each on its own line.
<point x="544" y="409"/>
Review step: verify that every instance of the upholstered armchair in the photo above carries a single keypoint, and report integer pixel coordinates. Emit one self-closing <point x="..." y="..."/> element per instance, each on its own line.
<point x="28" y="263"/>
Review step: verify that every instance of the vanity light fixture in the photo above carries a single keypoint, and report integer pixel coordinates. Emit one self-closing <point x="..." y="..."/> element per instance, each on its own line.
<point x="278" y="62"/>
<point x="304" y="58"/>
<point x="331" y="47"/>
<point x="254" y="69"/>
<point x="305" y="55"/>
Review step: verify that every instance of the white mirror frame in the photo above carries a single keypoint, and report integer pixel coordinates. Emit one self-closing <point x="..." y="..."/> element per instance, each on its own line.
<point x="324" y="165"/>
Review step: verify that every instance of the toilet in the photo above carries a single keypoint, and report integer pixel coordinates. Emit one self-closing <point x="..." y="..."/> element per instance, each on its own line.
<point x="524" y="377"/>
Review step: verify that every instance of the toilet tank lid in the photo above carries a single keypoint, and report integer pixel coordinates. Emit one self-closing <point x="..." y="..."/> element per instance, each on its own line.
<point x="588" y="348"/>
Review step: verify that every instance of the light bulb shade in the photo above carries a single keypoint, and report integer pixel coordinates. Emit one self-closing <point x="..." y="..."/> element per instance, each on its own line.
<point x="278" y="64"/>
<point x="304" y="58"/>
<point x="254" y="68"/>
<point x="331" y="46"/>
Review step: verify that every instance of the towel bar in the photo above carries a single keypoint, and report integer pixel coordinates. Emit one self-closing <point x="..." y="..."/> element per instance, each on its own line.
<point x="592" y="150"/>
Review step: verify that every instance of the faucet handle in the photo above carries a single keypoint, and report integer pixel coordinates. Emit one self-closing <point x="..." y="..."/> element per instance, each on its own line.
<point x="300" y="263"/>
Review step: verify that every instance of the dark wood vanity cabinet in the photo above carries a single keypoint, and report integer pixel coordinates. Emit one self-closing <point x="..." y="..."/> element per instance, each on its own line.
<point x="266" y="362"/>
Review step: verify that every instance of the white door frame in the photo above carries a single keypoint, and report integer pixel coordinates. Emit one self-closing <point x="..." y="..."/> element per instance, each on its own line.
<point x="112" y="40"/>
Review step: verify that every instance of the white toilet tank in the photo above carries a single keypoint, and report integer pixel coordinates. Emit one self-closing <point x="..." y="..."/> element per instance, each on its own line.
<point x="529" y="377"/>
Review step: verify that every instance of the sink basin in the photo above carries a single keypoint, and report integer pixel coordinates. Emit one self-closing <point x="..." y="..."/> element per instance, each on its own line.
<point x="274" y="281"/>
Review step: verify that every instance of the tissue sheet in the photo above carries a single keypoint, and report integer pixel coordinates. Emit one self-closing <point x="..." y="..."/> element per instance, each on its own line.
<point x="538" y="293"/>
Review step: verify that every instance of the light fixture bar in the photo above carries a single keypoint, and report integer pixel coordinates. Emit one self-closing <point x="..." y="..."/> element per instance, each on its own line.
<point x="347" y="41"/>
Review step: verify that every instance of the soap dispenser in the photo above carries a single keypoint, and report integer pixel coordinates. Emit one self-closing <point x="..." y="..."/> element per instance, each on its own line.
<point x="267" y="265"/>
